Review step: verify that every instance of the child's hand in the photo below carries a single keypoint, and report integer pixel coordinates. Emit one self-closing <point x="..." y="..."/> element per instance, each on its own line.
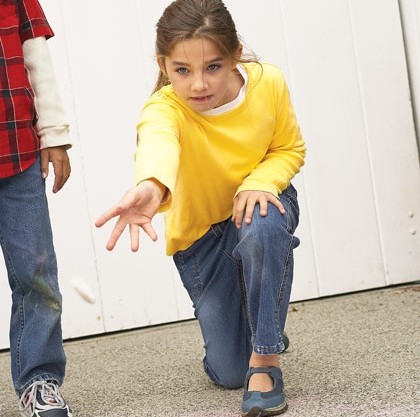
<point x="61" y="164"/>
<point x="244" y="205"/>
<point x="136" y="209"/>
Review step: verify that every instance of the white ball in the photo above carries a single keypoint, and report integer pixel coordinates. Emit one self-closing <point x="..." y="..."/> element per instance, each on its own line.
<point x="83" y="289"/>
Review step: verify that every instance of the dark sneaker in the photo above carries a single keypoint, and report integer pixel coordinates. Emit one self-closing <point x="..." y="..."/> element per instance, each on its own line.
<point x="43" y="399"/>
<point x="262" y="404"/>
<point x="286" y="342"/>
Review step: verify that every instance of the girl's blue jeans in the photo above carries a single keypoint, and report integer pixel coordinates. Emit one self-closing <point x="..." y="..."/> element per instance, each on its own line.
<point x="36" y="346"/>
<point x="239" y="281"/>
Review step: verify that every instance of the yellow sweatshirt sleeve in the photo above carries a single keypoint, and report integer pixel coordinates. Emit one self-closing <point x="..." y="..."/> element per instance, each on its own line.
<point x="158" y="149"/>
<point x="287" y="150"/>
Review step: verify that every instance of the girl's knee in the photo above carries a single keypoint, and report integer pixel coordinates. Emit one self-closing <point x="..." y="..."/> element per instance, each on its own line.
<point x="265" y="231"/>
<point x="226" y="376"/>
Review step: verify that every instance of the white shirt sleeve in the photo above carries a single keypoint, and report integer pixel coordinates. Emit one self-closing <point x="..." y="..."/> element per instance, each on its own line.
<point x="52" y="125"/>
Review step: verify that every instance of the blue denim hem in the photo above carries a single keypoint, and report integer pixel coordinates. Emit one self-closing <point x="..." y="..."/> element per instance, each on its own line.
<point x="44" y="377"/>
<point x="270" y="350"/>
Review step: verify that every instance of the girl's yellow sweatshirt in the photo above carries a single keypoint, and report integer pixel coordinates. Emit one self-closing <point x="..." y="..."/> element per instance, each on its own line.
<point x="205" y="161"/>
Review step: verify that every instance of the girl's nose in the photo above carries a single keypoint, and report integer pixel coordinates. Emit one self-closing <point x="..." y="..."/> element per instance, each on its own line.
<point x="199" y="82"/>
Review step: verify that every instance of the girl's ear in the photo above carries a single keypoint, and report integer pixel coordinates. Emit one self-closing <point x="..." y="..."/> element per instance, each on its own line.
<point x="238" y="54"/>
<point x="239" y="51"/>
<point x="161" y="63"/>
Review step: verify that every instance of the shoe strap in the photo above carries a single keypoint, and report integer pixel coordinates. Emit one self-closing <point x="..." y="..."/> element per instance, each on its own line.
<point x="272" y="371"/>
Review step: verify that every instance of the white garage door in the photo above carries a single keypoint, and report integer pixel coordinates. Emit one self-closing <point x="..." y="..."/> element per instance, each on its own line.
<point x="359" y="190"/>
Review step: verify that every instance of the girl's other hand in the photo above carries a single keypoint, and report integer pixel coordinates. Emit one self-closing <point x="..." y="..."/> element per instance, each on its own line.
<point x="135" y="209"/>
<point x="244" y="205"/>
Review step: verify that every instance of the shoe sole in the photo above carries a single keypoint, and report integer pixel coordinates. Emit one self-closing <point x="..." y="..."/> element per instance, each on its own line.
<point x="258" y="412"/>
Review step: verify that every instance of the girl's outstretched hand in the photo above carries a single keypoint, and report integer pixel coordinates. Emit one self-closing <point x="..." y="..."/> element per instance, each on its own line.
<point x="244" y="204"/>
<point x="135" y="209"/>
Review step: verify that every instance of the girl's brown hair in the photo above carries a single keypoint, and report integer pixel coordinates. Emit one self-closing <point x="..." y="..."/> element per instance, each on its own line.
<point x="188" y="19"/>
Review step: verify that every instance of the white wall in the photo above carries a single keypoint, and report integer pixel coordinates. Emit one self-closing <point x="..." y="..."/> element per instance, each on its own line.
<point x="410" y="14"/>
<point x="359" y="190"/>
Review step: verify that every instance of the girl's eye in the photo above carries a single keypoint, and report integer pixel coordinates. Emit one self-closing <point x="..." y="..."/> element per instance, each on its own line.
<point x="182" y="70"/>
<point x="213" y="67"/>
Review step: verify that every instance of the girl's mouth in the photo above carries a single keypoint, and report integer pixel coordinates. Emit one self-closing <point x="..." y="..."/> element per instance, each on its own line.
<point x="201" y="98"/>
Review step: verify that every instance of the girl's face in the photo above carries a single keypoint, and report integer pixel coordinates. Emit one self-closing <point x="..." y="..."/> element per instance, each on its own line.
<point x="200" y="76"/>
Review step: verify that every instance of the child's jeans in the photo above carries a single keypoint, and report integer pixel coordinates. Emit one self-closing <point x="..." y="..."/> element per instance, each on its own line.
<point x="240" y="283"/>
<point x="26" y="239"/>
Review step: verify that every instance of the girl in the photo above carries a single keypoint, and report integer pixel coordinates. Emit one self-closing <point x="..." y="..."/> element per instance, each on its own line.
<point x="218" y="144"/>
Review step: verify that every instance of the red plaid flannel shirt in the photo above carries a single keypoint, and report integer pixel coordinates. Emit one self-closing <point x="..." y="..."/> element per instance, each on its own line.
<point x="19" y="143"/>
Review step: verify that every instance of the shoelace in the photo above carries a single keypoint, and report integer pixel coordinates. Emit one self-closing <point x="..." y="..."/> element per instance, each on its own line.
<point x="50" y="395"/>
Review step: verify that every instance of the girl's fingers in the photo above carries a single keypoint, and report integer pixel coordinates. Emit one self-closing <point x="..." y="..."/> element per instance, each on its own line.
<point x="244" y="206"/>
<point x="263" y="207"/>
<point x="238" y="211"/>
<point x="250" y="206"/>
<point x="116" y="233"/>
<point x="107" y="216"/>
<point x="279" y="205"/>
<point x="148" y="228"/>
<point x="134" y="237"/>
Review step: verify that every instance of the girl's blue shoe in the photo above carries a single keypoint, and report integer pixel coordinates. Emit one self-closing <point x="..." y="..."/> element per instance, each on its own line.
<point x="262" y="404"/>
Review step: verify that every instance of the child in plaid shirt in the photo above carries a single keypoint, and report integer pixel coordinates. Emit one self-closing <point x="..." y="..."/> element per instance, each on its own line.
<point x="33" y="133"/>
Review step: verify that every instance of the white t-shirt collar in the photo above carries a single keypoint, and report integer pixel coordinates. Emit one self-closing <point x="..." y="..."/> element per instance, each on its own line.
<point x="235" y="102"/>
